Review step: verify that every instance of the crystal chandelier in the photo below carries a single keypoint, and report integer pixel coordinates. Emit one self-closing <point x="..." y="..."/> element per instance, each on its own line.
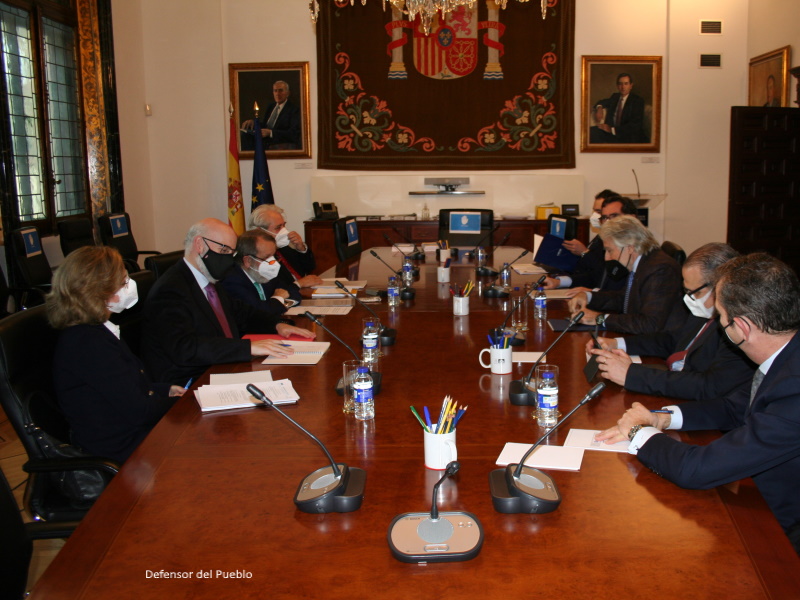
<point x="426" y="9"/>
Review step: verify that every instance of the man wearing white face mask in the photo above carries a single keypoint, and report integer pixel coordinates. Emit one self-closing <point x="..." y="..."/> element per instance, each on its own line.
<point x="295" y="257"/>
<point x="701" y="363"/>
<point x="255" y="279"/>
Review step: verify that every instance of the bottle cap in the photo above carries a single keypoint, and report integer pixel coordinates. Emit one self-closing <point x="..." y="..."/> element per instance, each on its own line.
<point x="516" y="288"/>
<point x="366" y="370"/>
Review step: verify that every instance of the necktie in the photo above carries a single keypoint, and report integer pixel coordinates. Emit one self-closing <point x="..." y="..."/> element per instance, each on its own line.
<point x="680" y="357"/>
<point x="618" y="114"/>
<point x="757" y="379"/>
<point x="628" y="293"/>
<point x="282" y="259"/>
<point x="213" y="300"/>
<point x="260" y="290"/>
<point x="274" y="116"/>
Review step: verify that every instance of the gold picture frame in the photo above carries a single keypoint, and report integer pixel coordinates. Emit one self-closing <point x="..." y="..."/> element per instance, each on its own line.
<point x="769" y="83"/>
<point x="640" y="114"/>
<point x="253" y="82"/>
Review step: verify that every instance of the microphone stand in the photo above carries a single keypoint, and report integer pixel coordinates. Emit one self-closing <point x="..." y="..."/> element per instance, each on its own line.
<point x="518" y="391"/>
<point x="493" y="291"/>
<point x="388" y="336"/>
<point x="471" y="253"/>
<point x="417" y="253"/>
<point x="489" y="271"/>
<point x="498" y="333"/>
<point x="414" y="268"/>
<point x="407" y="293"/>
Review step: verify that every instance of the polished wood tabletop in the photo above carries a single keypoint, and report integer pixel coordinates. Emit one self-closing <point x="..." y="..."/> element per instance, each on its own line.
<point x="210" y="496"/>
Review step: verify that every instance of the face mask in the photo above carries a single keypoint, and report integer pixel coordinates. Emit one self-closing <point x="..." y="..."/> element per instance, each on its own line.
<point x="127" y="296"/>
<point x="267" y="270"/>
<point x="281" y="238"/>
<point x="697" y="306"/>
<point x="594" y="220"/>
<point x="216" y="263"/>
<point x="616" y="271"/>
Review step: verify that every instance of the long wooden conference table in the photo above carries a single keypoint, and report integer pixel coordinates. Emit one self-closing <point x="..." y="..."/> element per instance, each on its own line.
<point x="210" y="496"/>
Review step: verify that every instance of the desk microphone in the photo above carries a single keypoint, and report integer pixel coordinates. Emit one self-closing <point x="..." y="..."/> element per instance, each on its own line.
<point x="518" y="391"/>
<point x="489" y="271"/>
<point x="436" y="537"/>
<point x="405" y="293"/>
<point x="376" y="377"/>
<point x="498" y="333"/>
<point x="471" y="253"/>
<point x="388" y="336"/>
<point x="417" y="254"/>
<point x="337" y="488"/>
<point x="521" y="489"/>
<point x="414" y="269"/>
<point x="496" y="291"/>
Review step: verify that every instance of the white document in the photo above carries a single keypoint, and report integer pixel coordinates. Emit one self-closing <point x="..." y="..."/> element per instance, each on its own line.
<point x="527" y="269"/>
<point x="559" y="294"/>
<point x="224" y="397"/>
<point x="404" y="248"/>
<point x="319" y="310"/>
<point x="331" y="283"/>
<point x="305" y="353"/>
<point x="245" y="378"/>
<point x="559" y="458"/>
<point x="526" y="357"/>
<point x="584" y="438"/>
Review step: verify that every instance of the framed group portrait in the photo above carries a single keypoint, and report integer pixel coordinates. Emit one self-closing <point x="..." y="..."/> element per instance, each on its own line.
<point x="769" y="78"/>
<point x="620" y="104"/>
<point x="281" y="92"/>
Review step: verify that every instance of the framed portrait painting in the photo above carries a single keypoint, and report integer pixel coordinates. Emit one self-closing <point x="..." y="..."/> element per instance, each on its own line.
<point x="620" y="103"/>
<point x="769" y="78"/>
<point x="281" y="92"/>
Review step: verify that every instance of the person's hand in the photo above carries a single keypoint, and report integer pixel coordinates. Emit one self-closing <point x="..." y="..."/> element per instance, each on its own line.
<point x="574" y="246"/>
<point x="577" y="303"/>
<point x="270" y="348"/>
<point x="605" y="344"/>
<point x="247" y="125"/>
<point x="572" y="292"/>
<point x="605" y="127"/>
<point x="296" y="242"/>
<point x="589" y="317"/>
<point x="309" y="281"/>
<point x="551" y="283"/>
<point x="613" y="364"/>
<point x="176" y="390"/>
<point x="286" y="330"/>
<point x="637" y="414"/>
<point x="281" y="293"/>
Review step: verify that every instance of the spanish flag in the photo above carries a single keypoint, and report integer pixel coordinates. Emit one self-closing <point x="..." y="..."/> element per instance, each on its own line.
<point x="235" y="206"/>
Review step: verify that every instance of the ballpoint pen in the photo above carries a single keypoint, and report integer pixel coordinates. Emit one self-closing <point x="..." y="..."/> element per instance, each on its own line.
<point x="663" y="411"/>
<point x="188" y="383"/>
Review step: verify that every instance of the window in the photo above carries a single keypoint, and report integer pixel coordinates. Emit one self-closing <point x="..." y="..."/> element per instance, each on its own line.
<point x="46" y="127"/>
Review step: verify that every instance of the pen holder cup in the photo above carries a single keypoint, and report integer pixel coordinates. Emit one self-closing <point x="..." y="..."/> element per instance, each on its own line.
<point x="499" y="360"/>
<point x="460" y="306"/>
<point x="440" y="450"/>
<point x="443" y="274"/>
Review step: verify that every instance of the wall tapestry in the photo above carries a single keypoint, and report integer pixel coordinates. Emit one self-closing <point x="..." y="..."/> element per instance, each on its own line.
<point x="487" y="89"/>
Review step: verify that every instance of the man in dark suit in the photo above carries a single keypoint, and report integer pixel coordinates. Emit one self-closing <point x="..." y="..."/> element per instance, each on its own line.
<point x="701" y="363"/>
<point x="759" y="312"/>
<point x="624" y="116"/>
<point x="281" y="123"/>
<point x="296" y="258"/>
<point x="191" y="323"/>
<point x="650" y="300"/>
<point x="254" y="279"/>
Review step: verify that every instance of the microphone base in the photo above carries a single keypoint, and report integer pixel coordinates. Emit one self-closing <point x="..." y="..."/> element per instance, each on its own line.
<point x="520" y="395"/>
<point x="486" y="272"/>
<point x="418" y="255"/>
<point x="388" y="337"/>
<point x="408" y="294"/>
<point x="453" y="537"/>
<point x="320" y="492"/>
<point x="376" y="384"/>
<point x="495" y="292"/>
<point x="533" y="493"/>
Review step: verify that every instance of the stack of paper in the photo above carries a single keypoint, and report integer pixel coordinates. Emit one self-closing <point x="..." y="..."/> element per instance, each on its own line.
<point x="329" y="289"/>
<point x="305" y="353"/>
<point x="527" y="269"/>
<point x="235" y="395"/>
<point x="559" y="458"/>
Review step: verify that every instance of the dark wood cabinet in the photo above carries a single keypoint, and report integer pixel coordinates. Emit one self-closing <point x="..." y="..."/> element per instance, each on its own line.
<point x="319" y="235"/>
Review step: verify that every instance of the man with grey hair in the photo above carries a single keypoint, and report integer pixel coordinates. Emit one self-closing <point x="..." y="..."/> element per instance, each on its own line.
<point x="191" y="323"/>
<point x="296" y="258"/>
<point x="701" y="363"/>
<point x="281" y="121"/>
<point x="650" y="300"/>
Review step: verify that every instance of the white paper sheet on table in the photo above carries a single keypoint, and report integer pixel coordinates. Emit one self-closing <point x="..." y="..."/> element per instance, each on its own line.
<point x="584" y="438"/>
<point x="558" y="458"/>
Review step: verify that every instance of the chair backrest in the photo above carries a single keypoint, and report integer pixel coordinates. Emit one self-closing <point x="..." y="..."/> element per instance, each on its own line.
<point x="345" y="235"/>
<point x="159" y="263"/>
<point x="672" y="249"/>
<point x="115" y="230"/>
<point x="31" y="260"/>
<point x="16" y="547"/>
<point x="75" y="233"/>
<point x="5" y="294"/>
<point x="130" y="320"/>
<point x="465" y="226"/>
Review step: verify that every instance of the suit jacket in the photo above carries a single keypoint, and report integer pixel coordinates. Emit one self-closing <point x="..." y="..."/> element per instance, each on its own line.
<point x="286" y="132"/>
<point x="655" y="299"/>
<point x="762" y="440"/>
<point x="591" y="268"/>
<point x="182" y="336"/>
<point x="108" y="401"/>
<point x="238" y="285"/>
<point x="302" y="262"/>
<point x="630" y="129"/>
<point x="713" y="367"/>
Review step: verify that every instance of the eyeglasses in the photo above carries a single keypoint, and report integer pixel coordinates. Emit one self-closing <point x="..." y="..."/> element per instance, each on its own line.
<point x="222" y="247"/>
<point x="605" y="218"/>
<point x="691" y="293"/>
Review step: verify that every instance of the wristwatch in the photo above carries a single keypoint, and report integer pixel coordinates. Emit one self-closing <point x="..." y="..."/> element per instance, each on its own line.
<point x="600" y="320"/>
<point x="634" y="430"/>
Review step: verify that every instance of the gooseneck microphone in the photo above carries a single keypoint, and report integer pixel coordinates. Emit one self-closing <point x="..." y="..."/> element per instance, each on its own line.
<point x="399" y="272"/>
<point x="417" y="254"/>
<point x="496" y="291"/>
<point x="498" y="333"/>
<point x="518" y="391"/>
<point x="388" y="336"/>
<point x="415" y="269"/>
<point x="435" y="536"/>
<point x="472" y="252"/>
<point x="334" y="488"/>
<point x="406" y="293"/>
<point x="521" y="489"/>
<point x="489" y="271"/>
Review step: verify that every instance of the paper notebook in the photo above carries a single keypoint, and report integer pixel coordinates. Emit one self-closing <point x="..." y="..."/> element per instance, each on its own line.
<point x="305" y="353"/>
<point x="558" y="458"/>
<point x="584" y="438"/>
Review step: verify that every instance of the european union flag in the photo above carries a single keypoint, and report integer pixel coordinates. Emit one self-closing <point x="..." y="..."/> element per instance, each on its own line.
<point x="262" y="185"/>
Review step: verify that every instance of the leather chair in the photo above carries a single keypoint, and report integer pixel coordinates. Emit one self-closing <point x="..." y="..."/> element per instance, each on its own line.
<point x="130" y="320"/>
<point x="115" y="230"/>
<point x="33" y="265"/>
<point x="27" y="346"/>
<point x="75" y="233"/>
<point x="672" y="249"/>
<point x="159" y="263"/>
<point x="464" y="239"/>
<point x="346" y="247"/>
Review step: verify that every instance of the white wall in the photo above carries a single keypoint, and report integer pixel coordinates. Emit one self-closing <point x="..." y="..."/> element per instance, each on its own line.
<point x="174" y="55"/>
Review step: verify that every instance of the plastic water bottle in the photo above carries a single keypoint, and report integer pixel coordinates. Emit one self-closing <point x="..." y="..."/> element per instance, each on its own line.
<point x="362" y="386"/>
<point x="505" y="277"/>
<point x="408" y="272"/>
<point x="393" y="292"/>
<point x="369" y="342"/>
<point x="540" y="305"/>
<point x="547" y="400"/>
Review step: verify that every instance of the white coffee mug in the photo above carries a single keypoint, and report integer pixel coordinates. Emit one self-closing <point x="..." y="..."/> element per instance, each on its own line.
<point x="500" y="360"/>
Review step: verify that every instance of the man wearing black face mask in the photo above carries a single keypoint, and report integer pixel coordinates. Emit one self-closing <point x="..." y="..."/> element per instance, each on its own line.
<point x="191" y="323"/>
<point x="651" y="298"/>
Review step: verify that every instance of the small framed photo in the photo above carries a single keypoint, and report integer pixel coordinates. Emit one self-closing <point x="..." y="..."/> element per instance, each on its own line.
<point x="281" y="92"/>
<point x="769" y="78"/>
<point x="620" y="104"/>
